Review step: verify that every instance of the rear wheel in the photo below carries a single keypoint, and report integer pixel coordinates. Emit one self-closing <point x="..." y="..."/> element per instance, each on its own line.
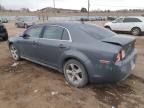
<point x="5" y="38"/>
<point x="75" y="73"/>
<point x="136" y="31"/>
<point x="14" y="52"/>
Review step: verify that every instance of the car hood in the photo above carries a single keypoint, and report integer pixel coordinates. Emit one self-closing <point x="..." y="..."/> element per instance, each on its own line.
<point x="119" y="40"/>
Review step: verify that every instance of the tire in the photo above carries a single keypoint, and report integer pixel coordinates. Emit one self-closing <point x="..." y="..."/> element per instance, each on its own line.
<point x="75" y="73"/>
<point x="5" y="38"/>
<point x="14" y="52"/>
<point x="107" y="27"/>
<point x="136" y="31"/>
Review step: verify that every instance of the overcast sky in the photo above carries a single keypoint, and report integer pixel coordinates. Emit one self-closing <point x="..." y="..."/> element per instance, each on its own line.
<point x="74" y="4"/>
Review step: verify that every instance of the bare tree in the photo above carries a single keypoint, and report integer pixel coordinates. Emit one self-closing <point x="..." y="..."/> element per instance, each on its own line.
<point x="84" y="10"/>
<point x="25" y="9"/>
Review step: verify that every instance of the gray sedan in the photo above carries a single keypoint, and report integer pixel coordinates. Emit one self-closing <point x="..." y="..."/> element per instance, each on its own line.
<point x="84" y="53"/>
<point x="24" y="22"/>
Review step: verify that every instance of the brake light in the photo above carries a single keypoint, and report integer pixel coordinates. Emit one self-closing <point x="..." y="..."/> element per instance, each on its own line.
<point x="120" y="55"/>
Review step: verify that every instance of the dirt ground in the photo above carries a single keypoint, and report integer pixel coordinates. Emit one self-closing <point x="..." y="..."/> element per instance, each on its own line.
<point x="29" y="85"/>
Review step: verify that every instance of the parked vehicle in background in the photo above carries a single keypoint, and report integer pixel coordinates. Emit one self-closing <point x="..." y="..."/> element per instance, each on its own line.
<point x="24" y="22"/>
<point x="3" y="20"/>
<point x="83" y="52"/>
<point x="111" y="18"/>
<point x="100" y="18"/>
<point x="3" y="33"/>
<point x="134" y="25"/>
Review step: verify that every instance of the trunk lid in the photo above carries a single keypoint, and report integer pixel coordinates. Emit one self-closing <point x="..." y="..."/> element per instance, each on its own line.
<point x="119" y="40"/>
<point x="126" y="42"/>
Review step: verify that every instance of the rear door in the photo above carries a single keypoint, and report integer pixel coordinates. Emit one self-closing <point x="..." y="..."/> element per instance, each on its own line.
<point x="53" y="44"/>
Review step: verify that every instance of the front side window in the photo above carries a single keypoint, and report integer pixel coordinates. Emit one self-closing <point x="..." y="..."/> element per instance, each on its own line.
<point x="119" y="20"/>
<point x="34" y="32"/>
<point x="131" y="20"/>
<point x="53" y="32"/>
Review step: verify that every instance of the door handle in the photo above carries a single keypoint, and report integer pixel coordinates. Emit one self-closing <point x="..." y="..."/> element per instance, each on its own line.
<point x="62" y="46"/>
<point x="35" y="43"/>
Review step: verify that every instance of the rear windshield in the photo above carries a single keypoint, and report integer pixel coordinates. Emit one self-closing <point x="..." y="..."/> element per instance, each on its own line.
<point x="96" y="32"/>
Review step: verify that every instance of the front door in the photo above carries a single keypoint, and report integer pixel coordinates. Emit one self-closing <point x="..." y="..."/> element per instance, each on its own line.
<point x="29" y="43"/>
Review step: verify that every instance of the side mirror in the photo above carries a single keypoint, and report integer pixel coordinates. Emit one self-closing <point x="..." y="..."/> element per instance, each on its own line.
<point x="25" y="36"/>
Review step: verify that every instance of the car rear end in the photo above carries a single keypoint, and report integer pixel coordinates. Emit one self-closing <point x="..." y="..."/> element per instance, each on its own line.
<point x="121" y="66"/>
<point x="125" y="61"/>
<point x="141" y="24"/>
<point x="113" y="58"/>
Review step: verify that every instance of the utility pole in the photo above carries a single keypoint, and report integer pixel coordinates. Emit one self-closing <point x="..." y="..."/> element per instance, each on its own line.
<point x="54" y="7"/>
<point x="88" y="7"/>
<point x="54" y="3"/>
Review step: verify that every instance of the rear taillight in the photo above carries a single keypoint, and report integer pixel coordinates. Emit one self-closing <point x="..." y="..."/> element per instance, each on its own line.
<point x="120" y="55"/>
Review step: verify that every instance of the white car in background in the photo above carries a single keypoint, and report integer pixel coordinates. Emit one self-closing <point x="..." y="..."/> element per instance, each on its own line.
<point x="134" y="25"/>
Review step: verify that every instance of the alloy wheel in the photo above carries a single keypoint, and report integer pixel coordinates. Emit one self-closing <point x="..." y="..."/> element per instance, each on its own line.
<point x="74" y="73"/>
<point x="14" y="52"/>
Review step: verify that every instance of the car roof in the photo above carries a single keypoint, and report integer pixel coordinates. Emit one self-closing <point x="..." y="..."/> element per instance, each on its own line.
<point x="67" y="24"/>
<point x="139" y="17"/>
<point x="82" y="31"/>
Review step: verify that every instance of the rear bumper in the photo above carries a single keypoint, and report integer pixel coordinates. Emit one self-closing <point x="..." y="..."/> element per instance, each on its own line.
<point x="106" y="73"/>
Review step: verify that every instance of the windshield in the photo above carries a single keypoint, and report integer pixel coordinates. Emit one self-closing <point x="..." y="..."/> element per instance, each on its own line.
<point x="97" y="32"/>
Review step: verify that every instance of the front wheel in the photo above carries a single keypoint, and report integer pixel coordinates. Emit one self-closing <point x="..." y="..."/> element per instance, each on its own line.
<point x="75" y="73"/>
<point x="136" y="31"/>
<point x="108" y="28"/>
<point x="14" y="53"/>
<point x="5" y="38"/>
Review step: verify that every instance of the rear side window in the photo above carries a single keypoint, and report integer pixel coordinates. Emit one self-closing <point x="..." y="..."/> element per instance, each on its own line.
<point x="53" y="32"/>
<point x="132" y="20"/>
<point x="65" y="35"/>
<point x="34" y="32"/>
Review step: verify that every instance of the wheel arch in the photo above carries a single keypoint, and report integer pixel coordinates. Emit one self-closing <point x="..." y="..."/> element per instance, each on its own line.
<point x="136" y="27"/>
<point x="82" y="58"/>
<point x="10" y="43"/>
